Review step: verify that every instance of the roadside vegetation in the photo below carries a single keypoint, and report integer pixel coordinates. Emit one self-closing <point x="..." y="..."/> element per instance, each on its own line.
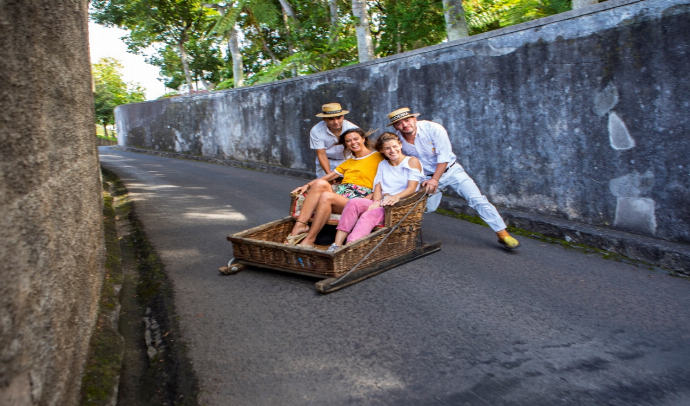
<point x="136" y="356"/>
<point x="110" y="91"/>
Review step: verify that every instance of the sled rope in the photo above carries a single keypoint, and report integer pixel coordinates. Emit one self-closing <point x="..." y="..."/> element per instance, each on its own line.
<point x="380" y="242"/>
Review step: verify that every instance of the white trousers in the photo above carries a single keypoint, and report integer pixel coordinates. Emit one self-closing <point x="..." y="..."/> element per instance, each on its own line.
<point x="457" y="179"/>
<point x="333" y="163"/>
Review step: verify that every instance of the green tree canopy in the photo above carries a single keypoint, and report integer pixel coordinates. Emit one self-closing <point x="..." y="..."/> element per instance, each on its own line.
<point x="259" y="41"/>
<point x="405" y="25"/>
<point x="159" y="23"/>
<point x="111" y="91"/>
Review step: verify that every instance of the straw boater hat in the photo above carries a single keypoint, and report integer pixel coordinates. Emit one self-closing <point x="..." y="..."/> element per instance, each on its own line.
<point x="400" y="114"/>
<point x="332" y="110"/>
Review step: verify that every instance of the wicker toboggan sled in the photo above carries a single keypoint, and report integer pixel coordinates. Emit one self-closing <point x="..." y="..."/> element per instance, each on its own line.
<point x="264" y="247"/>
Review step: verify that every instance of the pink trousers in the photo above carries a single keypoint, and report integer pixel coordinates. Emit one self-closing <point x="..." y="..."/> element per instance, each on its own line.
<point x="358" y="220"/>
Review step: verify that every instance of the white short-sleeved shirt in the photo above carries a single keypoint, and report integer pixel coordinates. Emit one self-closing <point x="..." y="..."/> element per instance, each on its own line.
<point x="393" y="179"/>
<point x="320" y="137"/>
<point x="431" y="146"/>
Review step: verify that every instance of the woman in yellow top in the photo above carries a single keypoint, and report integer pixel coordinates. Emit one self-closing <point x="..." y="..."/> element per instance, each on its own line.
<point x="358" y="180"/>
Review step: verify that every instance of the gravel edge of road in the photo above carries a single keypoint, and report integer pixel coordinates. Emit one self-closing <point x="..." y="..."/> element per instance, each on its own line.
<point x="650" y="253"/>
<point x="168" y="377"/>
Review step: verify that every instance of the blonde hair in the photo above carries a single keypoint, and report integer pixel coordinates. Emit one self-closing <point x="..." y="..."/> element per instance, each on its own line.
<point x="385" y="137"/>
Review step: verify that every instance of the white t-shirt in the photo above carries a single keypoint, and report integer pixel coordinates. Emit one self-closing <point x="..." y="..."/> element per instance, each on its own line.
<point x="320" y="137"/>
<point x="393" y="179"/>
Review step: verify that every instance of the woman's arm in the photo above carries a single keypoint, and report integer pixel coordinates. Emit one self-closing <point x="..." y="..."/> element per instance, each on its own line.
<point x="411" y="188"/>
<point x="376" y="197"/>
<point x="328" y="177"/>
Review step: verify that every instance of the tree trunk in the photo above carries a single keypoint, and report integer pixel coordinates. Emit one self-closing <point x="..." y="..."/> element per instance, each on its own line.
<point x="185" y="65"/>
<point x="288" y="9"/>
<point x="456" y="25"/>
<point x="287" y="28"/>
<point x="265" y="45"/>
<point x="583" y="3"/>
<point x="208" y="85"/>
<point x="105" y="130"/>
<point x="237" y="64"/>
<point x="291" y="49"/>
<point x="334" y="18"/>
<point x="365" y="46"/>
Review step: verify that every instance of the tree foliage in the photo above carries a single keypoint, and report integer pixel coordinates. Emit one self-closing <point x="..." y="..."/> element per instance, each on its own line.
<point x="487" y="15"/>
<point x="111" y="91"/>
<point x="405" y="25"/>
<point x="206" y="63"/>
<point x="278" y="39"/>
<point x="163" y="23"/>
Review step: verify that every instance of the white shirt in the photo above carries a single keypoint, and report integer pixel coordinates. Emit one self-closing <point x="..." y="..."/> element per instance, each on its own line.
<point x="393" y="179"/>
<point x="431" y="146"/>
<point x="320" y="137"/>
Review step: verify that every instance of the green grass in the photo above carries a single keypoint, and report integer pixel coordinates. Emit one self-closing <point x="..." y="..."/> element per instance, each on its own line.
<point x="105" y="353"/>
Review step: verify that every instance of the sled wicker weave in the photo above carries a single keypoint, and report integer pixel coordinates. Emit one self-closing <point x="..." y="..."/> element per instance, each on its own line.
<point x="264" y="245"/>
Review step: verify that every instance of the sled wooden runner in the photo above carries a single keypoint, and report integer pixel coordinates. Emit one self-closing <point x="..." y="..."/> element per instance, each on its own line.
<point x="332" y="284"/>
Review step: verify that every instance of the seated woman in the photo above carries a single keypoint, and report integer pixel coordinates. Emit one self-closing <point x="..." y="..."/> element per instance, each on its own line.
<point x="358" y="179"/>
<point x="397" y="177"/>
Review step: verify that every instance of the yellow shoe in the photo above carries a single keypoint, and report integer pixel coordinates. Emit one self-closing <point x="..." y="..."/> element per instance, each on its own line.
<point x="509" y="242"/>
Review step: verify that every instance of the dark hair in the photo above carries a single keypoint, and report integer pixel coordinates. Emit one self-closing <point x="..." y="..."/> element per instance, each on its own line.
<point x="367" y="141"/>
<point x="385" y="137"/>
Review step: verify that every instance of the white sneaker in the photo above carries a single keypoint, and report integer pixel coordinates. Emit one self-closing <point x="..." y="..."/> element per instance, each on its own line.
<point x="333" y="247"/>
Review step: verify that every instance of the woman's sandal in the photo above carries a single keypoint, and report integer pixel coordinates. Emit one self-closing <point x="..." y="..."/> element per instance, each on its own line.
<point x="295" y="239"/>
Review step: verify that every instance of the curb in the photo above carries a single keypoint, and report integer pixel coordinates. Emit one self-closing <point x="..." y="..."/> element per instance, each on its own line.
<point x="664" y="256"/>
<point x="280" y="170"/>
<point x="649" y="252"/>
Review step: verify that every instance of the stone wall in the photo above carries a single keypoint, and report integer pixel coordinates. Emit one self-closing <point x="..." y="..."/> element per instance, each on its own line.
<point x="582" y="116"/>
<point x="51" y="228"/>
<point x="102" y="142"/>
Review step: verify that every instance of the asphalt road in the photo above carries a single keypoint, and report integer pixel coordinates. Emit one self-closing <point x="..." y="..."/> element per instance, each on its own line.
<point x="471" y="325"/>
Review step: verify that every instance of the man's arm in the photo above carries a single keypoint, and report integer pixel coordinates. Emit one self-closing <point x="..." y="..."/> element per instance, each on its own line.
<point x="444" y="151"/>
<point x="323" y="160"/>
<point x="432" y="184"/>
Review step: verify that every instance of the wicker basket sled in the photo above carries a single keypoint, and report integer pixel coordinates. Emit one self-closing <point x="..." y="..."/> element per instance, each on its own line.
<point x="264" y="247"/>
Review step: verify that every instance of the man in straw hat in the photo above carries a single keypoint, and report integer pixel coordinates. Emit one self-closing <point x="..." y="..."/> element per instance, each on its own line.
<point x="429" y="142"/>
<point x="324" y="137"/>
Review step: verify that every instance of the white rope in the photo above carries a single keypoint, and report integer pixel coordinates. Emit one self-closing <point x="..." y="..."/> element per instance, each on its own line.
<point x="380" y="242"/>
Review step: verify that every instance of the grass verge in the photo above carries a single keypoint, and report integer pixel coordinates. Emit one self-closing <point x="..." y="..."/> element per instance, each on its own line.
<point x="557" y="241"/>
<point x="165" y="379"/>
<point x="102" y="371"/>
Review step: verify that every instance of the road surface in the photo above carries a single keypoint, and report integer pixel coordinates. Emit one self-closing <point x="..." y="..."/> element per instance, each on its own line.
<point x="471" y="325"/>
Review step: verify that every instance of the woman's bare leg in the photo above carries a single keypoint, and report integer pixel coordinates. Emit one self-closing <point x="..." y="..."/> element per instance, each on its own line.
<point x="340" y="237"/>
<point x="329" y="202"/>
<point x="310" y="202"/>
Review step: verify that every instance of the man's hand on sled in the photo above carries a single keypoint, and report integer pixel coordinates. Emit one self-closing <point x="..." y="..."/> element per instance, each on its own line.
<point x="431" y="185"/>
